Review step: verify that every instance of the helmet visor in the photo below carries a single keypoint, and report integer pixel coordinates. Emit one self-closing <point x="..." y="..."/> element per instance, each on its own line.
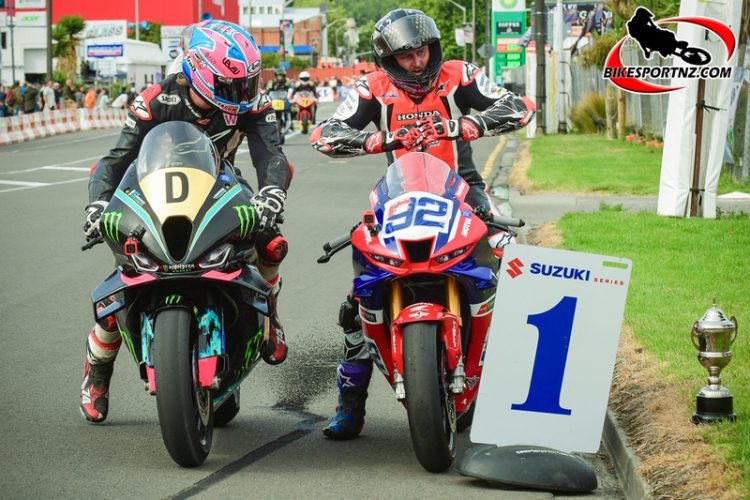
<point x="407" y="33"/>
<point x="237" y="90"/>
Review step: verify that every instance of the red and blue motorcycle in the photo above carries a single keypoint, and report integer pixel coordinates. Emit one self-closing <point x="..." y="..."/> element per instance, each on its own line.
<point x="425" y="280"/>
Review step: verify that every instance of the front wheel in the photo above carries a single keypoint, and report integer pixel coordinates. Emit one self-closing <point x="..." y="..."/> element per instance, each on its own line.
<point x="430" y="405"/>
<point x="305" y="122"/>
<point x="185" y="409"/>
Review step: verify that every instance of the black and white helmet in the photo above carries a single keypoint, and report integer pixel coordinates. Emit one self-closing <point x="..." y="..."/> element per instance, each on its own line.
<point x="402" y="30"/>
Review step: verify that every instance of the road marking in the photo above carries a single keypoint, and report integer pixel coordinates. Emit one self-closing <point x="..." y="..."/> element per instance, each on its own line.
<point x="491" y="159"/>
<point x="74" y="169"/>
<point x="38" y="184"/>
<point x="21" y="183"/>
<point x="57" y="166"/>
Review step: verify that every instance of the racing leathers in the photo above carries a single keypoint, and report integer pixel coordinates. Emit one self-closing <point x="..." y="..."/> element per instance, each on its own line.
<point x="404" y="123"/>
<point x="168" y="101"/>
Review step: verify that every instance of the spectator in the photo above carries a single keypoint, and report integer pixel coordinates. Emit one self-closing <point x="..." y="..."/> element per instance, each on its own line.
<point x="69" y="95"/>
<point x="120" y="101"/>
<point x="30" y="95"/>
<point x="103" y="101"/>
<point x="11" y="99"/>
<point x="89" y="102"/>
<point x="58" y="95"/>
<point x="131" y="96"/>
<point x="79" y="95"/>
<point x="3" y="108"/>
<point x="48" y="97"/>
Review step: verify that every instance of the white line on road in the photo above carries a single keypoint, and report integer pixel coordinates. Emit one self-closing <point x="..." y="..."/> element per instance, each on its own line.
<point x="39" y="184"/>
<point x="74" y="169"/>
<point x="22" y="183"/>
<point x="72" y="162"/>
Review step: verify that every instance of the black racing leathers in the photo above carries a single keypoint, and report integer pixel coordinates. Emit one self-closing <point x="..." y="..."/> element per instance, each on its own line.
<point x="170" y="100"/>
<point x="460" y="87"/>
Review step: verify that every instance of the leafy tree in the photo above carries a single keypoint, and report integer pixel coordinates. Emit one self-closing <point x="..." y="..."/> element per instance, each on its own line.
<point x="65" y="39"/>
<point x="147" y="32"/>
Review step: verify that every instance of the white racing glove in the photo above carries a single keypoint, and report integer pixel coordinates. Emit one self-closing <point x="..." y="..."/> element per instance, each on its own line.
<point x="269" y="204"/>
<point x="93" y="219"/>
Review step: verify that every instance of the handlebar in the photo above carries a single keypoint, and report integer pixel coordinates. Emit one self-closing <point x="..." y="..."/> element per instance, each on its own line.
<point x="336" y="245"/>
<point x="506" y="221"/>
<point x="92" y="243"/>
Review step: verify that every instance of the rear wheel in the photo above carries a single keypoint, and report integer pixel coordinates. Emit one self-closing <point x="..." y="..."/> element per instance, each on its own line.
<point x="185" y="409"/>
<point x="228" y="409"/>
<point x="430" y="406"/>
<point x="305" y="122"/>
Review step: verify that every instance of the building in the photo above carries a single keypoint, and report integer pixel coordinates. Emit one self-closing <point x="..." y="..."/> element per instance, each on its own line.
<point x="265" y="19"/>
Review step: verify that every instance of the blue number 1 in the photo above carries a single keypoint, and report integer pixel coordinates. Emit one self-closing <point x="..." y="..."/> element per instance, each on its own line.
<point x="554" y="326"/>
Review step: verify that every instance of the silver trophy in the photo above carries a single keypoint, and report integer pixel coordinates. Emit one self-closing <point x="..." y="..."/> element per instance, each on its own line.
<point x="713" y="336"/>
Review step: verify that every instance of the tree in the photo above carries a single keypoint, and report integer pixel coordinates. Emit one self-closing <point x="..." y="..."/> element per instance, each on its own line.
<point x="65" y="39"/>
<point x="147" y="32"/>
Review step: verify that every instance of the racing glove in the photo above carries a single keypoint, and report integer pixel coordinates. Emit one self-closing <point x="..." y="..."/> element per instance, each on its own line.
<point x="269" y="204"/>
<point x="93" y="219"/>
<point x="405" y="137"/>
<point x="478" y="199"/>
<point x="438" y="128"/>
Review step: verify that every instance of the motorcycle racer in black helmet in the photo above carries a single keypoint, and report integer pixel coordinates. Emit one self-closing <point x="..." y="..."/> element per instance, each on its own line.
<point x="400" y="31"/>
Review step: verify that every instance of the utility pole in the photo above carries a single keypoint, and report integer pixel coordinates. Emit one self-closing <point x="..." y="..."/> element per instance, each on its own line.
<point x="49" y="39"/>
<point x="541" y="81"/>
<point x="12" y="14"/>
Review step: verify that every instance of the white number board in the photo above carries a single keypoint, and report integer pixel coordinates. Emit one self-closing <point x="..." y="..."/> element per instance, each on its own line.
<point x="551" y="349"/>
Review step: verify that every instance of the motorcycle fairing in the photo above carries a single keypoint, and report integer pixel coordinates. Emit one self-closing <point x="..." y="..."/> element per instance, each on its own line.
<point x="128" y="210"/>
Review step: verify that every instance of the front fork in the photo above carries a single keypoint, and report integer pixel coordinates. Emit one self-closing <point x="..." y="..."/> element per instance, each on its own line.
<point x="450" y="331"/>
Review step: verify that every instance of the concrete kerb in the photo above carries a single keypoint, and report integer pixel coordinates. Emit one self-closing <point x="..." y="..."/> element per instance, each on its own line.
<point x="614" y="438"/>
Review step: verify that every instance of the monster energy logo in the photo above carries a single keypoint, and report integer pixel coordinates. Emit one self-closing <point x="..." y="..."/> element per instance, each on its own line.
<point x="246" y="214"/>
<point x="172" y="299"/>
<point x="251" y="349"/>
<point x="112" y="225"/>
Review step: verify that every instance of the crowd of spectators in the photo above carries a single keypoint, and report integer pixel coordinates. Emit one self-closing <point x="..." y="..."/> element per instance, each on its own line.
<point x="30" y="97"/>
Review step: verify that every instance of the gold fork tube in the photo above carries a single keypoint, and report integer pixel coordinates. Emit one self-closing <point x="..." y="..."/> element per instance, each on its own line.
<point x="454" y="298"/>
<point x="397" y="299"/>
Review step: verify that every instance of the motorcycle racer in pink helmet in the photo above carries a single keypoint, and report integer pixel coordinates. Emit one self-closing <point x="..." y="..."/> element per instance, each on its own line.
<point x="222" y="65"/>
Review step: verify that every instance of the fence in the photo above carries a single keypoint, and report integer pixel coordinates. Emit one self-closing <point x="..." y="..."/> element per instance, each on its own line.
<point x="14" y="129"/>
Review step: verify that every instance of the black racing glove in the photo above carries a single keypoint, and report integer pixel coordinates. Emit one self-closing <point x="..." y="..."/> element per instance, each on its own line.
<point x="479" y="201"/>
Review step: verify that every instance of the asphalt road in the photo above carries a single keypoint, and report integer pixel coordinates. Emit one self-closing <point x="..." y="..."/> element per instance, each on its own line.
<point x="274" y="448"/>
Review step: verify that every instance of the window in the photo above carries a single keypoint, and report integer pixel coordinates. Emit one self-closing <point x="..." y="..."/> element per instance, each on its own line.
<point x="262" y="9"/>
<point x="253" y="11"/>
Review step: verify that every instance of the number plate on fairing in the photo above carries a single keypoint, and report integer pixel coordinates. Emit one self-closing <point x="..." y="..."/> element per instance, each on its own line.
<point x="419" y="215"/>
<point x="551" y="349"/>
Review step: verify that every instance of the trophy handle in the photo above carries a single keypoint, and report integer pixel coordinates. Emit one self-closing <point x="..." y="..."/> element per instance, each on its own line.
<point x="734" y="320"/>
<point x="694" y="336"/>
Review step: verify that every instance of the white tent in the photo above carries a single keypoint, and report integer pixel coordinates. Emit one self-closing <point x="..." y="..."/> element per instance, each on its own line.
<point x="680" y="137"/>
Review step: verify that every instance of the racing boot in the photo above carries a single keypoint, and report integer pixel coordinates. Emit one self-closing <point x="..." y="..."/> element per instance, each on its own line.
<point x="101" y="348"/>
<point x="274" y="349"/>
<point x="352" y="379"/>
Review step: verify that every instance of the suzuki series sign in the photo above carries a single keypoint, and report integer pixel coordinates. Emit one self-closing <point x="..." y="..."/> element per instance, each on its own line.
<point x="551" y="349"/>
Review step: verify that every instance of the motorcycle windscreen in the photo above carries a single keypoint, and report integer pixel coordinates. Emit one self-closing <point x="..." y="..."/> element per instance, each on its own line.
<point x="177" y="167"/>
<point x="418" y="172"/>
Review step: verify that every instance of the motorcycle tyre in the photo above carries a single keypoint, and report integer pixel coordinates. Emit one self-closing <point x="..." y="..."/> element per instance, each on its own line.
<point x="464" y="421"/>
<point x="228" y="410"/>
<point x="432" y="433"/>
<point x="187" y="435"/>
<point x="305" y="122"/>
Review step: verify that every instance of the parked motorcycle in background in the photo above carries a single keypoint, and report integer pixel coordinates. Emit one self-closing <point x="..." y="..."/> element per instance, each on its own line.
<point x="281" y="105"/>
<point x="190" y="304"/>
<point x="425" y="283"/>
<point x="304" y="101"/>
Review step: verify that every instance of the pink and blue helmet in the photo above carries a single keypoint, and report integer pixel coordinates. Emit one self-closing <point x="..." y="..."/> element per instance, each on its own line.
<point x="222" y="64"/>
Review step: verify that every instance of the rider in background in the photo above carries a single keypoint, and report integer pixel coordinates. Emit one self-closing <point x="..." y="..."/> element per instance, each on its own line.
<point x="305" y="83"/>
<point x="416" y="101"/>
<point x="224" y="102"/>
<point x="280" y="82"/>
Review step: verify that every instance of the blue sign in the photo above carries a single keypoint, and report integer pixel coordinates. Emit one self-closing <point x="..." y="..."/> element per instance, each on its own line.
<point x="113" y="50"/>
